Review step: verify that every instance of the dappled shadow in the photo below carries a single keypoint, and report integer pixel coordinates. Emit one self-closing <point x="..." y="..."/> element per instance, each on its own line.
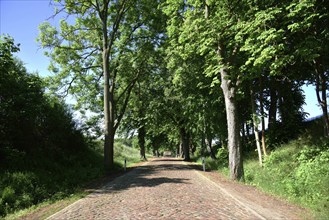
<point x="159" y="159"/>
<point x="146" y="176"/>
<point x="126" y="183"/>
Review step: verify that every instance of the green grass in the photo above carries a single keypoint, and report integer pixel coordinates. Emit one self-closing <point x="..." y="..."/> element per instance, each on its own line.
<point x="40" y="179"/>
<point x="296" y="171"/>
<point x="123" y="152"/>
<point x="48" y="208"/>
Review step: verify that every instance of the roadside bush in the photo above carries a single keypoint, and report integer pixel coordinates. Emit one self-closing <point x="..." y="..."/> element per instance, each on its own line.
<point x="312" y="176"/>
<point x="295" y="171"/>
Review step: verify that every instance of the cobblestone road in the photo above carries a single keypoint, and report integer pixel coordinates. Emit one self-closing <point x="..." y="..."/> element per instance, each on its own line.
<point x="161" y="189"/>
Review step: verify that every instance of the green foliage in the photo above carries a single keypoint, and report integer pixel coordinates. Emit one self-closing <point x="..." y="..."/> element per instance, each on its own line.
<point x="37" y="178"/>
<point x="43" y="154"/>
<point x="220" y="163"/>
<point x="312" y="177"/>
<point x="55" y="178"/>
<point x="125" y="152"/>
<point x="295" y="171"/>
<point x="222" y="157"/>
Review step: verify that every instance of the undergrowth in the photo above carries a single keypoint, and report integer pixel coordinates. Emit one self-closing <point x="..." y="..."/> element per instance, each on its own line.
<point x="45" y="178"/>
<point x="297" y="171"/>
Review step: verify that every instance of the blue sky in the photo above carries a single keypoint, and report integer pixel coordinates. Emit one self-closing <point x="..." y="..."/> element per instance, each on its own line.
<point x="21" y="18"/>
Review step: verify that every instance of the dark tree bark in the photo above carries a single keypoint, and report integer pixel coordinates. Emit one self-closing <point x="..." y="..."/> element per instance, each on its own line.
<point x="321" y="94"/>
<point x="184" y="136"/>
<point x="247" y="130"/>
<point x="109" y="105"/>
<point x="273" y="105"/>
<point x="203" y="145"/>
<point x="261" y="106"/>
<point x="193" y="148"/>
<point x="141" y="142"/>
<point x="210" y="149"/>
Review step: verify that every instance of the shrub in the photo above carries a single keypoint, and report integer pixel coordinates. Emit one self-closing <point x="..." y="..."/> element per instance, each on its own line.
<point x="295" y="171"/>
<point x="312" y="176"/>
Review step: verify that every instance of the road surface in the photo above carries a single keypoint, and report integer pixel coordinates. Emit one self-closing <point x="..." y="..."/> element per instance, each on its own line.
<point x="168" y="188"/>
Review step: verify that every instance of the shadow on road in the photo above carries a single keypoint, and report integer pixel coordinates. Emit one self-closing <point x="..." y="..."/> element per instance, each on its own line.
<point x="143" y="176"/>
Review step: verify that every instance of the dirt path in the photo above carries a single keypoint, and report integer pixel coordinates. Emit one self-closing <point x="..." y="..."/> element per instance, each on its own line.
<point x="171" y="189"/>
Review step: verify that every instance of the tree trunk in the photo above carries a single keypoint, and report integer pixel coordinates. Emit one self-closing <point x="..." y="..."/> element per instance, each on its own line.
<point x="262" y="116"/>
<point x="273" y="105"/>
<point x="321" y="94"/>
<point x="193" y="148"/>
<point x="254" y="120"/>
<point x="181" y="151"/>
<point x="108" y="107"/>
<point x="203" y="145"/>
<point x="247" y="130"/>
<point x="210" y="149"/>
<point x="141" y="142"/>
<point x="185" y="143"/>
<point x="234" y="146"/>
<point x="109" y="130"/>
<point x="178" y="150"/>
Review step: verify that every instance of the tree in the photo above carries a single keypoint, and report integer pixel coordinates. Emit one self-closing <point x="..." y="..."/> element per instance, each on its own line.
<point x="106" y="36"/>
<point x="209" y="27"/>
<point x="21" y="101"/>
<point x="30" y="120"/>
<point x="255" y="125"/>
<point x="310" y="33"/>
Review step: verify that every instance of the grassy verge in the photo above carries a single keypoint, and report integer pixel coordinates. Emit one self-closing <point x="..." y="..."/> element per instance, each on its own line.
<point x="42" y="190"/>
<point x="45" y="209"/>
<point x="297" y="171"/>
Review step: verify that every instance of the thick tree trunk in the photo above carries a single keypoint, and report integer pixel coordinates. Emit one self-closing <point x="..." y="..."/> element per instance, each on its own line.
<point x="141" y="142"/>
<point x="254" y="120"/>
<point x="108" y="110"/>
<point x="109" y="130"/>
<point x="185" y="143"/>
<point x="234" y="146"/>
<point x="109" y="134"/>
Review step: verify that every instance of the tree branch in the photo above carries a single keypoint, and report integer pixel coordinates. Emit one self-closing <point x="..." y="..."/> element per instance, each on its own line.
<point x="69" y="85"/>
<point x="128" y="92"/>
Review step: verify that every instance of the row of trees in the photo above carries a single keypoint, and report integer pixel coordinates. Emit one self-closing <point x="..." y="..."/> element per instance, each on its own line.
<point x="158" y="67"/>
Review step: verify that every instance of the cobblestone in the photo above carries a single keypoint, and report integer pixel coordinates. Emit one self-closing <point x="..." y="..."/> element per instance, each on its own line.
<point x="164" y="188"/>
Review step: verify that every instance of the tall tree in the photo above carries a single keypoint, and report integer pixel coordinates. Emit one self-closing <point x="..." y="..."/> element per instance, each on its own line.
<point x="105" y="37"/>
<point x="208" y="28"/>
